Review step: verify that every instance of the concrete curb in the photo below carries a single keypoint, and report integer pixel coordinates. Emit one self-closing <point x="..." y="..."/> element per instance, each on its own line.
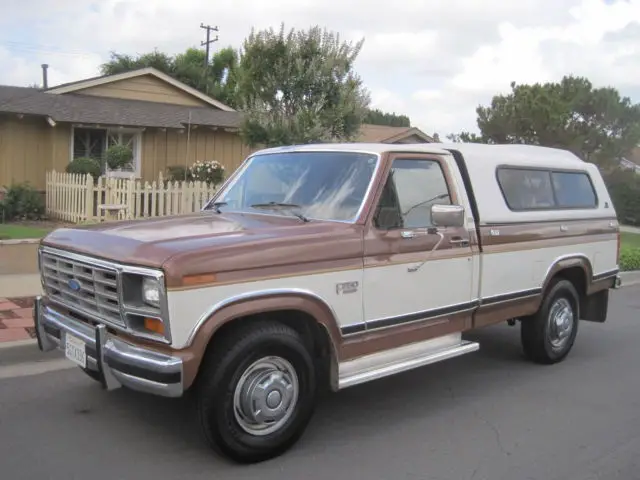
<point x="18" y="344"/>
<point x="20" y="241"/>
<point x="630" y="278"/>
<point x="20" y="285"/>
<point x="24" y="351"/>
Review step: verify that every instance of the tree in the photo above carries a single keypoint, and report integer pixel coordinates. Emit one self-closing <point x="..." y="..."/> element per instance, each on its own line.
<point x="378" y="117"/>
<point x="216" y="80"/>
<point x="596" y="124"/>
<point x="299" y="87"/>
<point x="466" y="137"/>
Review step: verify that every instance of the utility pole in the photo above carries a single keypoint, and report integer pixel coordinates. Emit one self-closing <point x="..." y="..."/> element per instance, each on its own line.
<point x="209" y="41"/>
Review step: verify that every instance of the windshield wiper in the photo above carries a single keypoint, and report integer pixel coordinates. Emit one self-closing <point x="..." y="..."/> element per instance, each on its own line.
<point x="216" y="206"/>
<point x="282" y="205"/>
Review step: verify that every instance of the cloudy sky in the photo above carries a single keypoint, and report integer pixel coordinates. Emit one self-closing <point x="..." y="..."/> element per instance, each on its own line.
<point x="433" y="60"/>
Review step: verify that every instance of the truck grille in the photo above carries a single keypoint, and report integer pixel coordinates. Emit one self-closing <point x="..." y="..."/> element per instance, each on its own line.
<point x="82" y="287"/>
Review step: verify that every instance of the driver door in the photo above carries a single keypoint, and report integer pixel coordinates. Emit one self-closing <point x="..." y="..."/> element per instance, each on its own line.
<point x="417" y="276"/>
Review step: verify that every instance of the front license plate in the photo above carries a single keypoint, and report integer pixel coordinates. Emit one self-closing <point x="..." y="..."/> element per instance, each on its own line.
<point x="75" y="350"/>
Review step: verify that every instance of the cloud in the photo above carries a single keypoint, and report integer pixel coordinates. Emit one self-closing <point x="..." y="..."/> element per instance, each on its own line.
<point x="433" y="60"/>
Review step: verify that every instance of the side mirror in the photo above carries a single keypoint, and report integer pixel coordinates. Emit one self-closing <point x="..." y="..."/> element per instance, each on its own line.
<point x="447" y="215"/>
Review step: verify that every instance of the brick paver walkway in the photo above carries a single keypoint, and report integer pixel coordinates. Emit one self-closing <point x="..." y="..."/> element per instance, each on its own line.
<point x="16" y="321"/>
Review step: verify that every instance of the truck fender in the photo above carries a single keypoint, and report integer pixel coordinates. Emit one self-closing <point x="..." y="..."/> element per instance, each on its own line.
<point x="253" y="303"/>
<point x="566" y="262"/>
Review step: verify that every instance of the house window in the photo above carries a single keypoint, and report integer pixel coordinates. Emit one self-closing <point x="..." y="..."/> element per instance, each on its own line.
<point x="93" y="142"/>
<point x="130" y="139"/>
<point x="88" y="142"/>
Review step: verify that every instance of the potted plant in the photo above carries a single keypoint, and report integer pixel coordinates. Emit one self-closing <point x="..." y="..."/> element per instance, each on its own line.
<point x="118" y="157"/>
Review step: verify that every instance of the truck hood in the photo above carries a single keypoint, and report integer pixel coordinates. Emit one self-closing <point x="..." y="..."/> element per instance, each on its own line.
<point x="207" y="242"/>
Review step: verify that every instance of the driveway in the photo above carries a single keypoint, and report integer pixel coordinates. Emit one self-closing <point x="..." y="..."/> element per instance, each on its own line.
<point x="488" y="415"/>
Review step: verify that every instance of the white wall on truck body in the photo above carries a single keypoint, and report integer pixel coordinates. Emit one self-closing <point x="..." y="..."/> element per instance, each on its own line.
<point x="522" y="269"/>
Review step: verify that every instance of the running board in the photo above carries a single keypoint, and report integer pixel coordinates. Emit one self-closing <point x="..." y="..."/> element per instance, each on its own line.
<point x="401" y="359"/>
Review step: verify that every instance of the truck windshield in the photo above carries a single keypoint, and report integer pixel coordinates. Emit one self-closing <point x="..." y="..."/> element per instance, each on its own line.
<point x="328" y="185"/>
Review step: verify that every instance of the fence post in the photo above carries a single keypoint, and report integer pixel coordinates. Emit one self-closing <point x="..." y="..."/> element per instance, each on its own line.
<point x="131" y="197"/>
<point x="47" y="193"/>
<point x="88" y="198"/>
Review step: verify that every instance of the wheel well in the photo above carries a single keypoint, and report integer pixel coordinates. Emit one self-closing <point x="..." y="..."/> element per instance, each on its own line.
<point x="576" y="276"/>
<point x="314" y="334"/>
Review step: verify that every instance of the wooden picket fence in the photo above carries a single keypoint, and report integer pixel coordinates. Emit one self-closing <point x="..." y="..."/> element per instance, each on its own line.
<point x="78" y="198"/>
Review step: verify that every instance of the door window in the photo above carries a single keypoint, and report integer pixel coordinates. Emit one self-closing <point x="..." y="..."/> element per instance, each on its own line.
<point x="412" y="188"/>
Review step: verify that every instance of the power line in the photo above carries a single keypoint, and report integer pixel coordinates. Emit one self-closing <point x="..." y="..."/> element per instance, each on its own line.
<point x="209" y="41"/>
<point x="44" y="49"/>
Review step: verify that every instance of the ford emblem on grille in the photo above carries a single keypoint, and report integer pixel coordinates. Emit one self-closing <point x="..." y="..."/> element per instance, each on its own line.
<point x="74" y="284"/>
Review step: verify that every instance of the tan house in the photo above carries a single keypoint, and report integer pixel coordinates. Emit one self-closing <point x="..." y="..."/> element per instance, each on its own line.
<point x="384" y="134"/>
<point x="164" y="121"/>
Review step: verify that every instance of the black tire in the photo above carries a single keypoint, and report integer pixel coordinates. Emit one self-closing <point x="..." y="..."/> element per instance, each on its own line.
<point x="224" y="366"/>
<point x="537" y="334"/>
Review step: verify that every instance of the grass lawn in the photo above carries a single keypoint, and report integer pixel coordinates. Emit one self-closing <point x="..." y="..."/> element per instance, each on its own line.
<point x="10" y="231"/>
<point x="631" y="240"/>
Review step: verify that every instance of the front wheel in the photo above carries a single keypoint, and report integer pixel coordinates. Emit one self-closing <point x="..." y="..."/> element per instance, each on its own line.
<point x="257" y="392"/>
<point x="548" y="336"/>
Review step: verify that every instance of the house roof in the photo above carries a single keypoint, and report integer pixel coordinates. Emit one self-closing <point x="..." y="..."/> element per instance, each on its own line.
<point x="96" y="81"/>
<point x="385" y="134"/>
<point x="76" y="108"/>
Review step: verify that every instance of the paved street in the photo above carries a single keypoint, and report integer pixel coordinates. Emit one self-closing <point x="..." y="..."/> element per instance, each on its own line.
<point x="489" y="415"/>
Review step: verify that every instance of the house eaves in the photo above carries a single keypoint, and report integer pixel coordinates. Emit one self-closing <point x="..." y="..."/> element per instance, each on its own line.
<point x="106" y="79"/>
<point x="86" y="109"/>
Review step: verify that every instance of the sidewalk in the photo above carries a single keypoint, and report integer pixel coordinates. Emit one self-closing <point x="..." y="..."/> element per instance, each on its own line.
<point x="629" y="229"/>
<point x="16" y="302"/>
<point x="22" y="285"/>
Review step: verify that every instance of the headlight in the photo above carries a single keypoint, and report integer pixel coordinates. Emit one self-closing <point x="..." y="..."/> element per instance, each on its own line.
<point x="151" y="291"/>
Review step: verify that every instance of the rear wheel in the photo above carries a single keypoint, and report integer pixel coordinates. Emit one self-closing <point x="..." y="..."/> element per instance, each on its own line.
<point x="257" y="392"/>
<point x="548" y="336"/>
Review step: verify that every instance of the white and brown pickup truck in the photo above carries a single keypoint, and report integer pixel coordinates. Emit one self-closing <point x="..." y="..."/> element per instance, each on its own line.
<point x="320" y="267"/>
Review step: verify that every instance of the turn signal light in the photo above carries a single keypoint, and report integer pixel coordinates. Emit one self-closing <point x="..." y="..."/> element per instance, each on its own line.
<point x="154" y="325"/>
<point x="193" y="280"/>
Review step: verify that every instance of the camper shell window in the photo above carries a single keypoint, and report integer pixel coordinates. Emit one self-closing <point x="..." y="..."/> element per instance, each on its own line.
<point x="528" y="188"/>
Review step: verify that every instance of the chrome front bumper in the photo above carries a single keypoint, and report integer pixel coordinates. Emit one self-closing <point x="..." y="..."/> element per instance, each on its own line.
<point x="116" y="362"/>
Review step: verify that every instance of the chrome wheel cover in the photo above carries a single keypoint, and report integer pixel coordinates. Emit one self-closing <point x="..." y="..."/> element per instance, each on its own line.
<point x="266" y="395"/>
<point x="561" y="322"/>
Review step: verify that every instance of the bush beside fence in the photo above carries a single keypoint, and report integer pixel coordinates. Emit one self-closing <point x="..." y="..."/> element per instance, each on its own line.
<point x="78" y="198"/>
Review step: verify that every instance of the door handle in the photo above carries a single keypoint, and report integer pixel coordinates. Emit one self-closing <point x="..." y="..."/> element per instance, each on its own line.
<point x="408" y="234"/>
<point x="463" y="242"/>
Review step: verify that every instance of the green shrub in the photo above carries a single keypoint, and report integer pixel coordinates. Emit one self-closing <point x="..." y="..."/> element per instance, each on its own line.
<point x="85" y="166"/>
<point x="178" y="172"/>
<point x="624" y="189"/>
<point x="22" y="202"/>
<point x="118" y="156"/>
<point x="629" y="258"/>
<point x="211" y="172"/>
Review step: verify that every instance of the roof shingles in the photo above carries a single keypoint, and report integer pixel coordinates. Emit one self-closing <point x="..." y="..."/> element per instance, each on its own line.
<point x="77" y="108"/>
